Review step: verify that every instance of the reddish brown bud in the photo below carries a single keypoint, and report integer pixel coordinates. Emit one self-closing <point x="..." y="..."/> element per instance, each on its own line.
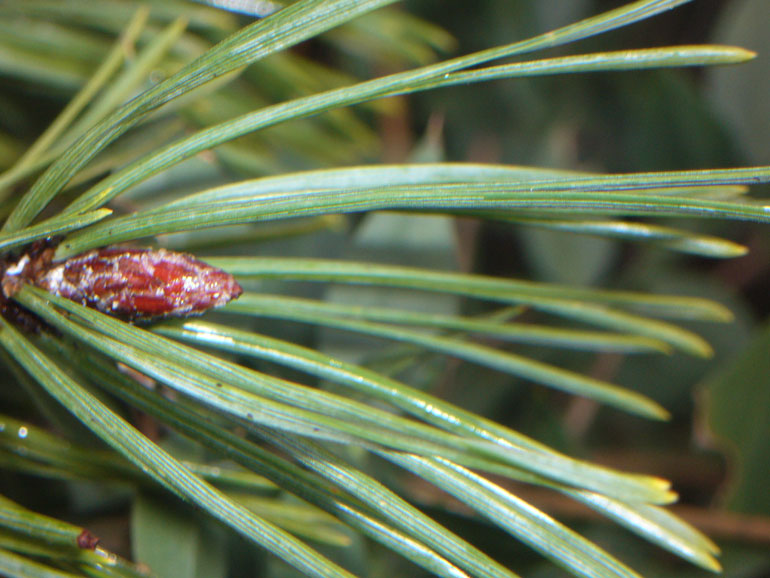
<point x="87" y="541"/>
<point x="140" y="283"/>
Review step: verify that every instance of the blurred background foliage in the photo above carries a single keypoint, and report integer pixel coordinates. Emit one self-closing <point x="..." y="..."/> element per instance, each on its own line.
<point x="715" y="447"/>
